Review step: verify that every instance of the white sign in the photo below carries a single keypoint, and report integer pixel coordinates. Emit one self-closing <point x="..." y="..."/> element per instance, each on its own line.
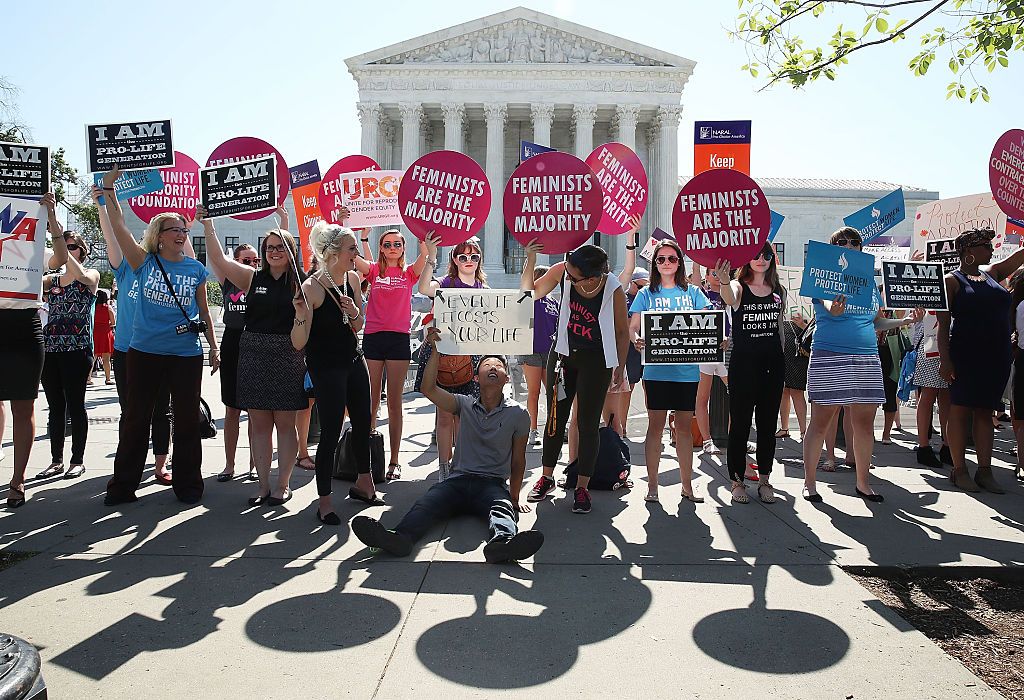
<point x="484" y="321"/>
<point x="371" y="197"/>
<point x="22" y="253"/>
<point x="948" y="218"/>
<point x="790" y="277"/>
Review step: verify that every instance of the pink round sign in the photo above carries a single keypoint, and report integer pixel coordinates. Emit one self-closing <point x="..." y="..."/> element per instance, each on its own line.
<point x="180" y="193"/>
<point x="445" y="192"/>
<point x="721" y="214"/>
<point x="331" y="185"/>
<point x="555" y="198"/>
<point x="1006" y="173"/>
<point x="624" y="181"/>
<point x="245" y="148"/>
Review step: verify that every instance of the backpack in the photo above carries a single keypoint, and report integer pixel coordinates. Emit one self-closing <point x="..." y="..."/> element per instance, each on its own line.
<point x="612" y="469"/>
<point x="207" y="428"/>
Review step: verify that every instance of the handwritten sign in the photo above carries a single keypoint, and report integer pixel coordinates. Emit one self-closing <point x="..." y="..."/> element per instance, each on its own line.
<point x="908" y="285"/>
<point x="130" y="146"/>
<point x="624" y="181"/>
<point x="682" y="337"/>
<point x="942" y="250"/>
<point x="239" y="188"/>
<point x="248" y="148"/>
<point x="372" y="198"/>
<point x="132" y="184"/>
<point x="22" y="253"/>
<point x="790" y="277"/>
<point x="948" y="218"/>
<point x="555" y="198"/>
<point x="180" y="193"/>
<point x="1006" y="173"/>
<point x="24" y="169"/>
<point x="330" y="196"/>
<point x="721" y="214"/>
<point x="830" y="270"/>
<point x="482" y="321"/>
<point x="445" y="192"/>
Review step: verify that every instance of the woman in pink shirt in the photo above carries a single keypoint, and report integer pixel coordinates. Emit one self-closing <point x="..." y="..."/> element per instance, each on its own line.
<point x="386" y="333"/>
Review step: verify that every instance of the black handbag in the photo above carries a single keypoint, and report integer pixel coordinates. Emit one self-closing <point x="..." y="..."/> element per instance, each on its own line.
<point x="345" y="463"/>
<point x="207" y="428"/>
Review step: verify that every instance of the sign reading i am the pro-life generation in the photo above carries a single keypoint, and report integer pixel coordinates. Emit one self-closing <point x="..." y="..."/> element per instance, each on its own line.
<point x="909" y="285"/>
<point x="942" y="250"/>
<point x="24" y="169"/>
<point x="624" y="182"/>
<point x="129" y="146"/>
<point x="484" y="321"/>
<point x="239" y="188"/>
<point x="682" y="337"/>
<point x="447" y="193"/>
<point x="831" y="270"/>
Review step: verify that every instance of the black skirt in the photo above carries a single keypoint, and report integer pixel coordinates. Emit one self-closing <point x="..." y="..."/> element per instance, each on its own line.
<point x="21" y="354"/>
<point x="229" y="367"/>
<point x="270" y="372"/>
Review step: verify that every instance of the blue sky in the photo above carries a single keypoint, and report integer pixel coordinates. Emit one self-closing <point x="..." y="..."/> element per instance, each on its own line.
<point x="225" y="68"/>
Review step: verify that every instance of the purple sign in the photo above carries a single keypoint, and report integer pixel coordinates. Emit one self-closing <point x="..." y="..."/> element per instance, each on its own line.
<point x="304" y="174"/>
<point x="721" y="132"/>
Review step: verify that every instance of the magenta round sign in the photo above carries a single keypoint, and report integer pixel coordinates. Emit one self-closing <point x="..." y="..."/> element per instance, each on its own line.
<point x="555" y="198"/>
<point x="445" y="192"/>
<point x="721" y="214"/>
<point x="624" y="181"/>
<point x="329" y="196"/>
<point x="1006" y="173"/>
<point x="245" y="148"/>
<point x="180" y="193"/>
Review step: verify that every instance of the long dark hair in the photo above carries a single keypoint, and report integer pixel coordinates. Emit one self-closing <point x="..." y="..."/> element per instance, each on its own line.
<point x="680" y="276"/>
<point x="468" y="247"/>
<point x="293" y="253"/>
<point x="771" y="275"/>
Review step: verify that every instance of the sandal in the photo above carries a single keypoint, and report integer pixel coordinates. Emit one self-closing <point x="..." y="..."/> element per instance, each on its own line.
<point x="782" y="434"/>
<point x="163" y="479"/>
<point x="766" y="493"/>
<point x="16" y="501"/>
<point x="739" y="493"/>
<point x="651" y="498"/>
<point x="691" y="498"/>
<point x="827" y="465"/>
<point x="53" y="470"/>
<point x="306" y="463"/>
<point x="394" y="472"/>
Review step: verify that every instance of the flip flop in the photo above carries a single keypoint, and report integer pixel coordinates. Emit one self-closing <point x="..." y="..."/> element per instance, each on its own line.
<point x="53" y="470"/>
<point x="164" y="479"/>
<point x="302" y="463"/>
<point x="375" y="501"/>
<point x="394" y="472"/>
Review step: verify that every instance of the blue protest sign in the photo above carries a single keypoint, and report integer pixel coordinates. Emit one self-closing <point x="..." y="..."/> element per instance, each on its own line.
<point x="776" y="224"/>
<point x="528" y="150"/>
<point x="877" y="218"/>
<point x="830" y="270"/>
<point x="132" y="184"/>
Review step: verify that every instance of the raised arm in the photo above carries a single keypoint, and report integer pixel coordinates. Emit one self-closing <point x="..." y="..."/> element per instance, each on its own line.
<point x="543" y="285"/>
<point x="114" y="256"/>
<point x="130" y="248"/>
<point x="235" y="272"/>
<point x="282" y="218"/>
<point x="428" y="385"/>
<point x="1004" y="268"/>
<point x="428" y="286"/>
<point x="53" y="225"/>
<point x="421" y="259"/>
<point x="90" y="278"/>
<point x="632" y="241"/>
<point x="730" y="289"/>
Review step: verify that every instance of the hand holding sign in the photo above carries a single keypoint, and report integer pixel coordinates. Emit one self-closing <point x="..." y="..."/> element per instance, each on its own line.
<point x="838" y="305"/>
<point x="723" y="271"/>
<point x="447" y="193"/>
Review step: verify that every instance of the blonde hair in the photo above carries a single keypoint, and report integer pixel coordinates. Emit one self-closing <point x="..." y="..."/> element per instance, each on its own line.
<point x="382" y="264"/>
<point x="151" y="238"/>
<point x="326" y="239"/>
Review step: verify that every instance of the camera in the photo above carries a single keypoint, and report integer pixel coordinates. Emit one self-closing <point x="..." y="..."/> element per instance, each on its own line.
<point x="198" y="327"/>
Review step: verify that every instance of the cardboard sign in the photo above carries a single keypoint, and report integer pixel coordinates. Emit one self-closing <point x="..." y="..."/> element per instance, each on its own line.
<point x="908" y="285"/>
<point x="776" y="224"/>
<point x="653" y="243"/>
<point x="305" y="181"/>
<point x="244" y="148"/>
<point x="878" y="217"/>
<point x="721" y="214"/>
<point x="528" y="150"/>
<point x="947" y="218"/>
<point x="24" y="169"/>
<point x="445" y="192"/>
<point x="180" y="193"/>
<point x="830" y="270"/>
<point x="130" y="146"/>
<point x="330" y="196"/>
<point x="22" y="253"/>
<point x="132" y="184"/>
<point x="484" y="321"/>
<point x="943" y="251"/>
<point x="790" y="277"/>
<point x="1006" y="173"/>
<point x="682" y="337"/>
<point x="371" y="198"/>
<point x="721" y="145"/>
<point x="624" y="181"/>
<point x="239" y="188"/>
<point x="555" y="198"/>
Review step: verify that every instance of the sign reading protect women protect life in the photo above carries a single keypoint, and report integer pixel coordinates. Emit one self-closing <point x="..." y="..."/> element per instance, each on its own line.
<point x="447" y="193"/>
<point x="484" y="321"/>
<point x="831" y="270"/>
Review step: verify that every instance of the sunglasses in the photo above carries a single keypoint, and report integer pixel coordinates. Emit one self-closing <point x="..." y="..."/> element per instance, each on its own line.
<point x="662" y="259"/>
<point x="388" y="245"/>
<point x="249" y="261"/>
<point x="74" y="246"/>
<point x="767" y="257"/>
<point x="175" y="229"/>
<point x="463" y="258"/>
<point x="275" y="248"/>
<point x="848" y="241"/>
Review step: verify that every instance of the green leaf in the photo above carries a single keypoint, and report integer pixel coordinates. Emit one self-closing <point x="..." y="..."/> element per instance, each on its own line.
<point x="882" y="25"/>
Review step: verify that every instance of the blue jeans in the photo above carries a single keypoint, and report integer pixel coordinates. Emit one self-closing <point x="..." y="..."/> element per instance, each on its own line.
<point x="463" y="494"/>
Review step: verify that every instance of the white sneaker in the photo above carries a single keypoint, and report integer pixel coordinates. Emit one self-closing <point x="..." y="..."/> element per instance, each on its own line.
<point x="751" y="448"/>
<point x="534" y="438"/>
<point x="444" y="470"/>
<point x="709" y="448"/>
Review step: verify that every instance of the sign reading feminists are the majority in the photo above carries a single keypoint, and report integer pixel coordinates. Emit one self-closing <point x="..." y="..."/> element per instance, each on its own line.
<point x="24" y="169"/>
<point x="554" y="198"/>
<point x="1006" y="173"/>
<point x="624" y="181"/>
<point x="445" y="192"/>
<point x="683" y="337"/>
<point x="243" y="148"/>
<point x="908" y="285"/>
<point x="239" y="188"/>
<point x="129" y="146"/>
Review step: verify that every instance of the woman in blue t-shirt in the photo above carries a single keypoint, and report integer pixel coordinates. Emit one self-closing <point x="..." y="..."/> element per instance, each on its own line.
<point x="845" y="371"/>
<point x="668" y="387"/>
<point x="171" y="312"/>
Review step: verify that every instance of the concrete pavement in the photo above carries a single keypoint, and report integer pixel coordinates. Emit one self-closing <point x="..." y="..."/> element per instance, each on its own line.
<point x="663" y="600"/>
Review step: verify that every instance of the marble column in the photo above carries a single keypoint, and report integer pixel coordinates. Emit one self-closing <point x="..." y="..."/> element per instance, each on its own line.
<point x="653" y="183"/>
<point x="385" y="141"/>
<point x="494" y="240"/>
<point x="668" y="152"/>
<point x="454" y="115"/>
<point x="542" y="114"/>
<point x="369" y="120"/>
<point x="626" y="117"/>
<point x="583" y="120"/>
<point x="412" y="112"/>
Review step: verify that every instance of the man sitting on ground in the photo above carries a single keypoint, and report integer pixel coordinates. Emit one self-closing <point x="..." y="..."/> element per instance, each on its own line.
<point x="491" y="448"/>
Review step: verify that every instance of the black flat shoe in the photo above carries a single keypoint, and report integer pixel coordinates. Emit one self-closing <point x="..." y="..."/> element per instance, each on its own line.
<point x="329" y="519"/>
<point x="259" y="500"/>
<point x="16" y="501"/>
<point x="112" y="500"/>
<point x="521" y="546"/>
<point x="275" y="501"/>
<point x="873" y="497"/>
<point x="375" y="501"/>
<point x="74" y="471"/>
<point x="812" y="497"/>
<point x="375" y="536"/>
<point x="225" y="477"/>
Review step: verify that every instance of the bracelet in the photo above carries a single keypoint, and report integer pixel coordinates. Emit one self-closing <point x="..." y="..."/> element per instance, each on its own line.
<point x="299" y="323"/>
<point x="631" y="247"/>
<point x="108" y="189"/>
<point x="365" y="240"/>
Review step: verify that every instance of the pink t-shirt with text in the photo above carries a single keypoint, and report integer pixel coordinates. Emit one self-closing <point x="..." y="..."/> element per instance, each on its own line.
<point x="390" y="304"/>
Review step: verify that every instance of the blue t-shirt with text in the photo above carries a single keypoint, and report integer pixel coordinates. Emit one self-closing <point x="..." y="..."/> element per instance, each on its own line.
<point x="675" y="299"/>
<point x="852" y="332"/>
<point x="127" y="300"/>
<point x="157" y="316"/>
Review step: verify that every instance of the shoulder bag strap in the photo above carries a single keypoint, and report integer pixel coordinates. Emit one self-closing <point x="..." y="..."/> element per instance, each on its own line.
<point x="327" y="292"/>
<point x="170" y="286"/>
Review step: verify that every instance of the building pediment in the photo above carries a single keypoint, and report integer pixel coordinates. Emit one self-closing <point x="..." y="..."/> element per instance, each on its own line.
<point x="519" y="36"/>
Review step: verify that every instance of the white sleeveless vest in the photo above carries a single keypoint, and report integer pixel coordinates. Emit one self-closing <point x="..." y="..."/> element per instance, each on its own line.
<point x="605" y="320"/>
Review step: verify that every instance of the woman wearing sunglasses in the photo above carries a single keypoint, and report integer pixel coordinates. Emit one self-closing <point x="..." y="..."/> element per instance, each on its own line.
<point x="164" y="350"/>
<point x="846" y="372"/>
<point x="386" y="332"/>
<point x="975" y="352"/>
<point x="22" y="353"/>
<point x="756" y="366"/>
<point x="465" y="271"/>
<point x="265" y="351"/>
<point x="668" y="388"/>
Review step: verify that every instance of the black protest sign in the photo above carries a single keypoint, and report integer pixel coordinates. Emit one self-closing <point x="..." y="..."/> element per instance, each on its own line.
<point x="239" y="188"/>
<point x="683" y="337"/>
<point x="130" y="146"/>
<point x="908" y="285"/>
<point x="943" y="250"/>
<point x="24" y="169"/>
